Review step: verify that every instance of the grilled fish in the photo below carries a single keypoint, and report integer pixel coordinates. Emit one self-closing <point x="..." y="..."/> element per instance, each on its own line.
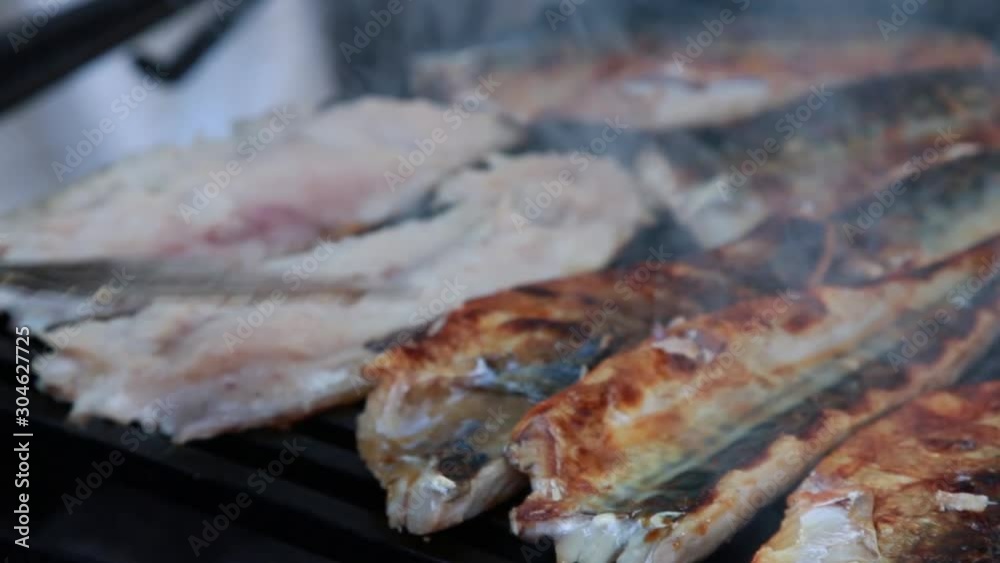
<point x="815" y="152"/>
<point x="237" y="201"/>
<point x="654" y="83"/>
<point x="920" y="485"/>
<point x="435" y="426"/>
<point x="662" y="452"/>
<point x="226" y="364"/>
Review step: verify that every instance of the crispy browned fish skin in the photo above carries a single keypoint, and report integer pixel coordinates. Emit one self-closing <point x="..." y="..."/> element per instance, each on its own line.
<point x="652" y="457"/>
<point x="435" y="440"/>
<point x="911" y="487"/>
<point x="430" y="378"/>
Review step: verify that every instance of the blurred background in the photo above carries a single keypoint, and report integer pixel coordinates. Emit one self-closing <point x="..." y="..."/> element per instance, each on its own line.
<point x="69" y="64"/>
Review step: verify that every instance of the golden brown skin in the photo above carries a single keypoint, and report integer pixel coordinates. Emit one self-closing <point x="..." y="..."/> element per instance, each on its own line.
<point x="846" y="142"/>
<point x="920" y="485"/>
<point x="662" y="452"/>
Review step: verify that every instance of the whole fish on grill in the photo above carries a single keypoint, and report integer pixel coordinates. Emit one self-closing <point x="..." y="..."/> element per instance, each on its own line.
<point x="922" y="484"/>
<point x="663" y="452"/>
<point x="813" y="153"/>
<point x="322" y="175"/>
<point x="228" y="363"/>
<point x="435" y="426"/>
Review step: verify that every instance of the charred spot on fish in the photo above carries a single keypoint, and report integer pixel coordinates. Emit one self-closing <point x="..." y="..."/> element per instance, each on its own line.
<point x="680" y="362"/>
<point x="799" y="248"/>
<point x="773" y="186"/>
<point x="879" y="375"/>
<point x="536" y="291"/>
<point x="742" y="314"/>
<point x="964" y="537"/>
<point x="415" y="354"/>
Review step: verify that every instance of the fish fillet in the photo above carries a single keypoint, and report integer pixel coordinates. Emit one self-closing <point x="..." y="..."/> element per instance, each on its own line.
<point x="920" y="485"/>
<point x="663" y="452"/>
<point x="227" y="365"/>
<point x="434" y="429"/>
